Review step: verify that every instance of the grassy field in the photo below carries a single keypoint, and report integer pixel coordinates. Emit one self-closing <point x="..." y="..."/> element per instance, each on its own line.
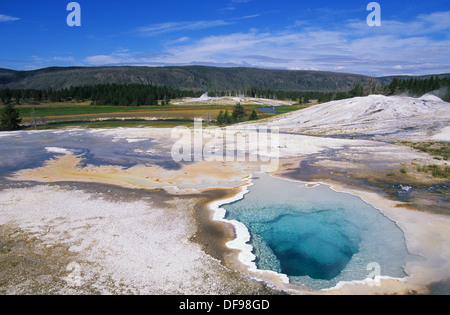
<point x="63" y="115"/>
<point x="116" y="123"/>
<point x="439" y="150"/>
<point x="288" y="109"/>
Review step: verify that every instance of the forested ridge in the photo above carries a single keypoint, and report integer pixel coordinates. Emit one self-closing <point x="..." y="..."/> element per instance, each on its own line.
<point x="137" y="94"/>
<point x="194" y="78"/>
<point x="103" y="94"/>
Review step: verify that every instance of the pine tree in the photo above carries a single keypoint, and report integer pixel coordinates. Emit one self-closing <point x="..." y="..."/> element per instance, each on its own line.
<point x="220" y="119"/>
<point x="358" y="90"/>
<point x="253" y="116"/>
<point x="6" y="96"/>
<point x="227" y="119"/>
<point x="238" y="113"/>
<point x="9" y="118"/>
<point x="394" y="87"/>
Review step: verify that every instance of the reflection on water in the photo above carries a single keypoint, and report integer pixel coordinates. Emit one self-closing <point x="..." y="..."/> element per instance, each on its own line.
<point x="316" y="236"/>
<point x="267" y="109"/>
<point x="26" y="150"/>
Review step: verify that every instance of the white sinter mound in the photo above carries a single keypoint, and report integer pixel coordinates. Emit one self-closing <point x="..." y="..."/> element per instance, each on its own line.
<point x="394" y="116"/>
<point x="231" y="100"/>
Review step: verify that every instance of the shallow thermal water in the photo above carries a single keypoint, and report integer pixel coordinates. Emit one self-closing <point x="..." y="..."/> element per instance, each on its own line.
<point x="25" y="150"/>
<point x="316" y="236"/>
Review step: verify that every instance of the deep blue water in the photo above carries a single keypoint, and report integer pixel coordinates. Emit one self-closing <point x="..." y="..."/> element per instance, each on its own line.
<point x="318" y="244"/>
<point x="316" y="236"/>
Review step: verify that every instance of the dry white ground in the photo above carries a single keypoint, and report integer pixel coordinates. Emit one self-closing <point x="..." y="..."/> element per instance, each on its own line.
<point x="60" y="241"/>
<point x="231" y="100"/>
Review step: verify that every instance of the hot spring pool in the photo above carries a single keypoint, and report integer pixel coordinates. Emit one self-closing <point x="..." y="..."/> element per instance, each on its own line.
<point x="316" y="236"/>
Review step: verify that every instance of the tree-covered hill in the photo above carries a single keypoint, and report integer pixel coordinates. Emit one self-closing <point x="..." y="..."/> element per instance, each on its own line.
<point x="195" y="78"/>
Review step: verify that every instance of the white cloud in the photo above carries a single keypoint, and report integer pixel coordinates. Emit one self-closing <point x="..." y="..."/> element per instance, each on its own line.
<point x="232" y="5"/>
<point x="170" y="27"/>
<point x="64" y="59"/>
<point x="435" y="22"/>
<point x="102" y="60"/>
<point x="423" y="25"/>
<point x="7" y="18"/>
<point x="395" y="48"/>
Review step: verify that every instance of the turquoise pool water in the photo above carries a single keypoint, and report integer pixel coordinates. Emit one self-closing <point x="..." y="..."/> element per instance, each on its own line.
<point x="316" y="236"/>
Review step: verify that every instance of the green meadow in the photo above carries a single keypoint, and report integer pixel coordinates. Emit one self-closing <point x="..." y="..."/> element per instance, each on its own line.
<point x="69" y="114"/>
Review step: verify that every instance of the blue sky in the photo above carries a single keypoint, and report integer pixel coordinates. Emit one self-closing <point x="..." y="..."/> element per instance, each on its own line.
<point x="299" y="35"/>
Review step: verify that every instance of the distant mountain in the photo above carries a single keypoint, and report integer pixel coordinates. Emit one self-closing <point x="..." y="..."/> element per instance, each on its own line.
<point x="388" y="79"/>
<point x="197" y="78"/>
